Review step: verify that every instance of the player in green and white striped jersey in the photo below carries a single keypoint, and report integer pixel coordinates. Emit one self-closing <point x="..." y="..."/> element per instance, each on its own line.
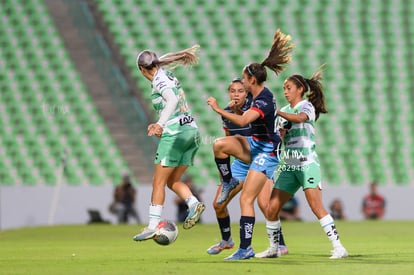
<point x="178" y="132"/>
<point x="300" y="166"/>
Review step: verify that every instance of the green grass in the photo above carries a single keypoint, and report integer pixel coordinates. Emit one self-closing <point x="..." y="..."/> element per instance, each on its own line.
<point x="375" y="247"/>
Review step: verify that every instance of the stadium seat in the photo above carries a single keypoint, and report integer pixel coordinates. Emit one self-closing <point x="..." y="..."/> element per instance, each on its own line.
<point x="45" y="100"/>
<point x="362" y="42"/>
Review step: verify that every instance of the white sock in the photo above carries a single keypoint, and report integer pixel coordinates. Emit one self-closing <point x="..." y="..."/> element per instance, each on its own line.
<point x="191" y="200"/>
<point x="154" y="216"/>
<point x="328" y="226"/>
<point x="273" y="233"/>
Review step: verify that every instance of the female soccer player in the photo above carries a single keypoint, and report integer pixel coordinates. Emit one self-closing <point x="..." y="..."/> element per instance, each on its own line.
<point x="301" y="165"/>
<point x="240" y="102"/>
<point x="178" y="132"/>
<point x="260" y="149"/>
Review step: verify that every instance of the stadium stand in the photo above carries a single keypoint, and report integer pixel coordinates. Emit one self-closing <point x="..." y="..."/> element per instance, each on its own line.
<point x="367" y="45"/>
<point x="48" y="118"/>
<point x="368" y="133"/>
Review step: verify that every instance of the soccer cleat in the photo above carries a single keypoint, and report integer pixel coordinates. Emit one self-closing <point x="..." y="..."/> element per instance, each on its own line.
<point x="217" y="248"/>
<point x="269" y="253"/>
<point x="226" y="188"/>
<point x="241" y="254"/>
<point x="146" y="234"/>
<point x="194" y="214"/>
<point x="283" y="250"/>
<point x="339" y="253"/>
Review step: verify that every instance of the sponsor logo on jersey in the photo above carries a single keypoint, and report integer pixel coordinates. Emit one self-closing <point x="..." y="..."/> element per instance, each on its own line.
<point x="186" y="119"/>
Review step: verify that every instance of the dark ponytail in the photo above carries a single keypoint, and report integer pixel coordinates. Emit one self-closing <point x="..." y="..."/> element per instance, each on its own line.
<point x="314" y="86"/>
<point x="316" y="95"/>
<point x="278" y="57"/>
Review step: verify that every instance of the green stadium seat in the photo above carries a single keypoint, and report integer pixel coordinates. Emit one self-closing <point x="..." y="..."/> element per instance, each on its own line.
<point x="36" y="121"/>
<point x="358" y="40"/>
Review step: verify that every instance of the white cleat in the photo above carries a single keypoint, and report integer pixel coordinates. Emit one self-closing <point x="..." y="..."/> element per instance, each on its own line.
<point x="269" y="253"/>
<point x="339" y="253"/>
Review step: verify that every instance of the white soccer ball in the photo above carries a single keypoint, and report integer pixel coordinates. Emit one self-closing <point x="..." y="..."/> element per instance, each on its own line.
<point x="167" y="232"/>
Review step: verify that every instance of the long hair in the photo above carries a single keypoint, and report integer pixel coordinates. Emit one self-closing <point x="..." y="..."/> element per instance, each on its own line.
<point x="187" y="57"/>
<point x="314" y="86"/>
<point x="279" y="53"/>
<point x="278" y="56"/>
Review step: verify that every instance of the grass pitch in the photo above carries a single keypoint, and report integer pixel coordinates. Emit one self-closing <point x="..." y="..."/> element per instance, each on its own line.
<point x="375" y="247"/>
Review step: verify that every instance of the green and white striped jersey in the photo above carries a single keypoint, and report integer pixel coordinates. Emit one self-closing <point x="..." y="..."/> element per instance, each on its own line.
<point x="299" y="141"/>
<point x="165" y="86"/>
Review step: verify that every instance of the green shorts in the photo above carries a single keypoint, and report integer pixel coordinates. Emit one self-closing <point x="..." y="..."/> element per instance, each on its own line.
<point x="291" y="178"/>
<point x="178" y="149"/>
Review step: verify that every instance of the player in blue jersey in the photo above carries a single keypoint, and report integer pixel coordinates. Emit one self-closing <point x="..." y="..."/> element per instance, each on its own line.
<point x="240" y="101"/>
<point x="300" y="168"/>
<point x="260" y="149"/>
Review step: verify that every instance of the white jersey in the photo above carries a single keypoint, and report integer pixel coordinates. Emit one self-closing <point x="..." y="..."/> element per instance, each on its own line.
<point x="166" y="86"/>
<point x="299" y="141"/>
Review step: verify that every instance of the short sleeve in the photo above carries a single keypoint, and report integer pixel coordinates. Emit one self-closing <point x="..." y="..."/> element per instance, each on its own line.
<point x="309" y="110"/>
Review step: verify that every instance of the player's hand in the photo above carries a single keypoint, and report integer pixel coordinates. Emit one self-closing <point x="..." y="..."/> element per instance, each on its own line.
<point x="213" y="103"/>
<point x="234" y="105"/>
<point x="154" y="129"/>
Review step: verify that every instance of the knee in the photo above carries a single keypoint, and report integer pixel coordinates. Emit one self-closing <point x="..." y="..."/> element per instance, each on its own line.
<point x="218" y="144"/>
<point x="246" y="200"/>
<point x="219" y="208"/>
<point x="272" y="211"/>
<point x="157" y="184"/>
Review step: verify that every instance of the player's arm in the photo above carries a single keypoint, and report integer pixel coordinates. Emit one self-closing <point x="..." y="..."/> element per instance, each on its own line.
<point x="240" y="120"/>
<point x="171" y="102"/>
<point x="296" y="118"/>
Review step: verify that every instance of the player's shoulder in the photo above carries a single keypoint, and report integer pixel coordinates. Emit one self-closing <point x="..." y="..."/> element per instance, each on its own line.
<point x="307" y="107"/>
<point x="162" y="80"/>
<point x="285" y="108"/>
<point x="265" y="100"/>
<point x="305" y="104"/>
<point x="267" y="93"/>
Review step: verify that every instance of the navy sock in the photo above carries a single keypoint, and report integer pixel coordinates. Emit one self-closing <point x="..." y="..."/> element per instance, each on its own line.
<point x="246" y="231"/>
<point x="223" y="166"/>
<point x="281" y="239"/>
<point x="224" y="224"/>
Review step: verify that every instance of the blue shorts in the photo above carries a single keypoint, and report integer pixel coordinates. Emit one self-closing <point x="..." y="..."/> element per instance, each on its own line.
<point x="262" y="156"/>
<point x="239" y="169"/>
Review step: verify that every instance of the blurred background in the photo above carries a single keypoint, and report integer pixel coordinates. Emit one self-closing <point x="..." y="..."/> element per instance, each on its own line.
<point x="74" y="109"/>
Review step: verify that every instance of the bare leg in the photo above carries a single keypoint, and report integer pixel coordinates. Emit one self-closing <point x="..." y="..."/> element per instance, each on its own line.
<point x="252" y="186"/>
<point x="180" y="188"/>
<point x="264" y="196"/>
<point x="314" y="198"/>
<point x="236" y="146"/>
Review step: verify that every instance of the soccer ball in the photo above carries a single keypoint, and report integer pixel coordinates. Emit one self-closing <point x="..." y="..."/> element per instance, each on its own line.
<point x="167" y="232"/>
